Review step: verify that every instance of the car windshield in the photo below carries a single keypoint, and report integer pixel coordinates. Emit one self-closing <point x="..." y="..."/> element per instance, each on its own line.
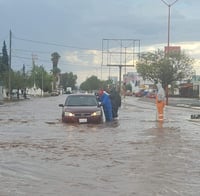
<point x="81" y="101"/>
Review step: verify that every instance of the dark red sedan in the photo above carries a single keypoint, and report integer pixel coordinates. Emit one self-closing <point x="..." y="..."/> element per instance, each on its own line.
<point x="81" y="108"/>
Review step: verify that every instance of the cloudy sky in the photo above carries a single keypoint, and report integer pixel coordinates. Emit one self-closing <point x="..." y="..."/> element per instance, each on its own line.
<point x="76" y="30"/>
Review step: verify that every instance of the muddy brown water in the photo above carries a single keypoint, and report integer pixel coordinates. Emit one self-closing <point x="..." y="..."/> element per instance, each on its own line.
<point x="134" y="155"/>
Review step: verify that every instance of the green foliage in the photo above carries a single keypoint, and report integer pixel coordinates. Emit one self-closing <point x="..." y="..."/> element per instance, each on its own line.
<point x="68" y="80"/>
<point x="129" y="87"/>
<point x="4" y="66"/>
<point x="38" y="76"/>
<point x="41" y="78"/>
<point x="22" y="80"/>
<point x="56" y="70"/>
<point x="55" y="58"/>
<point x="91" y="83"/>
<point x="106" y="84"/>
<point x="5" y="57"/>
<point x="17" y="80"/>
<point x="166" y="69"/>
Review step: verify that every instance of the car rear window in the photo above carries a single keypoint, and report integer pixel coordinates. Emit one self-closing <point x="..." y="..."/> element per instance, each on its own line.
<point x="81" y="101"/>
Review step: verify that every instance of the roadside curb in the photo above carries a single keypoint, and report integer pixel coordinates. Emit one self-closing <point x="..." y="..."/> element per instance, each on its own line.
<point x="188" y="106"/>
<point x="175" y="103"/>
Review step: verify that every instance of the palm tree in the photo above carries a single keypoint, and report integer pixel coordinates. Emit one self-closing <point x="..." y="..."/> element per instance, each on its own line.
<point x="55" y="58"/>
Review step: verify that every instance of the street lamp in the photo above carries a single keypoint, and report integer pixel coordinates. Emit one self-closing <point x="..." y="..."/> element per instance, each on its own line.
<point x="169" y="5"/>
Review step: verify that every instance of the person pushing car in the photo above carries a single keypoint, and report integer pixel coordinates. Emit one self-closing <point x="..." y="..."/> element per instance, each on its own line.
<point x="106" y="103"/>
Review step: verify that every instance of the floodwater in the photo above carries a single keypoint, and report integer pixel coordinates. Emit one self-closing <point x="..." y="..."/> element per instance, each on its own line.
<point x="134" y="155"/>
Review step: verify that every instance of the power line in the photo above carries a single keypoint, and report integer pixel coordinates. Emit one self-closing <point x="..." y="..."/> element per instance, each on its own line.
<point x="53" y="44"/>
<point x="47" y="52"/>
<point x="85" y="52"/>
<point x="4" y="38"/>
<point x="32" y="51"/>
<point x="61" y="63"/>
<point x="20" y="57"/>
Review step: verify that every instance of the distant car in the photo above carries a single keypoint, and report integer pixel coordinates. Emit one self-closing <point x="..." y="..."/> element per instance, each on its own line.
<point x="128" y="93"/>
<point x="81" y="108"/>
<point x="151" y="95"/>
<point x="141" y="93"/>
<point x="55" y="93"/>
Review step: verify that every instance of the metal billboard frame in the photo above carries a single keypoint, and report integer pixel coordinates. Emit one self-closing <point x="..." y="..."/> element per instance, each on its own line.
<point x="120" y="53"/>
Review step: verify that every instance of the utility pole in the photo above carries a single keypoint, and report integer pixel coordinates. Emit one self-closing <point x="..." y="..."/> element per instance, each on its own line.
<point x="34" y="57"/>
<point x="42" y="91"/>
<point x="125" y="61"/>
<point x="9" y="69"/>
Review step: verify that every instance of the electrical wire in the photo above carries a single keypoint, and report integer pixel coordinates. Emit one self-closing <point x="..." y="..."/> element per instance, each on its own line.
<point x="54" y="44"/>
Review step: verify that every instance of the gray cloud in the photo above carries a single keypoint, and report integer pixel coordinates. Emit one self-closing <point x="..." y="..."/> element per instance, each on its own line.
<point x="84" y="23"/>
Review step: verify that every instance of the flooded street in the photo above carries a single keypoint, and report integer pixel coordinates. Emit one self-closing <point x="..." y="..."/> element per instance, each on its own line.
<point x="134" y="155"/>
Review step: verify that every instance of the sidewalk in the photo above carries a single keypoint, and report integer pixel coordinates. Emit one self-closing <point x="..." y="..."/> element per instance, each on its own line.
<point x="178" y="102"/>
<point x="184" y="102"/>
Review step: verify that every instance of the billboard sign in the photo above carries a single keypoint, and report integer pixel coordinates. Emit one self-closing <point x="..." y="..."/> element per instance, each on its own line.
<point x="172" y="49"/>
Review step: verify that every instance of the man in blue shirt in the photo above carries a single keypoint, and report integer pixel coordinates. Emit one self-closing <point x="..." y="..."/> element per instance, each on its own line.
<point x="107" y="106"/>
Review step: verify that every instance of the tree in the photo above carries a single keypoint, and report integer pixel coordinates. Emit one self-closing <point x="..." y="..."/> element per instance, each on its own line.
<point x="165" y="68"/>
<point x="91" y="83"/>
<point x="55" y="58"/>
<point x="42" y="79"/>
<point x="4" y="65"/>
<point x="128" y="87"/>
<point x="17" y="80"/>
<point x="5" y="57"/>
<point x="68" y="80"/>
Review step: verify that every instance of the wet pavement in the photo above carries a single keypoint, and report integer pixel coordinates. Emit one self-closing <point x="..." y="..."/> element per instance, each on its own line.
<point x="134" y="155"/>
<point x="178" y="102"/>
